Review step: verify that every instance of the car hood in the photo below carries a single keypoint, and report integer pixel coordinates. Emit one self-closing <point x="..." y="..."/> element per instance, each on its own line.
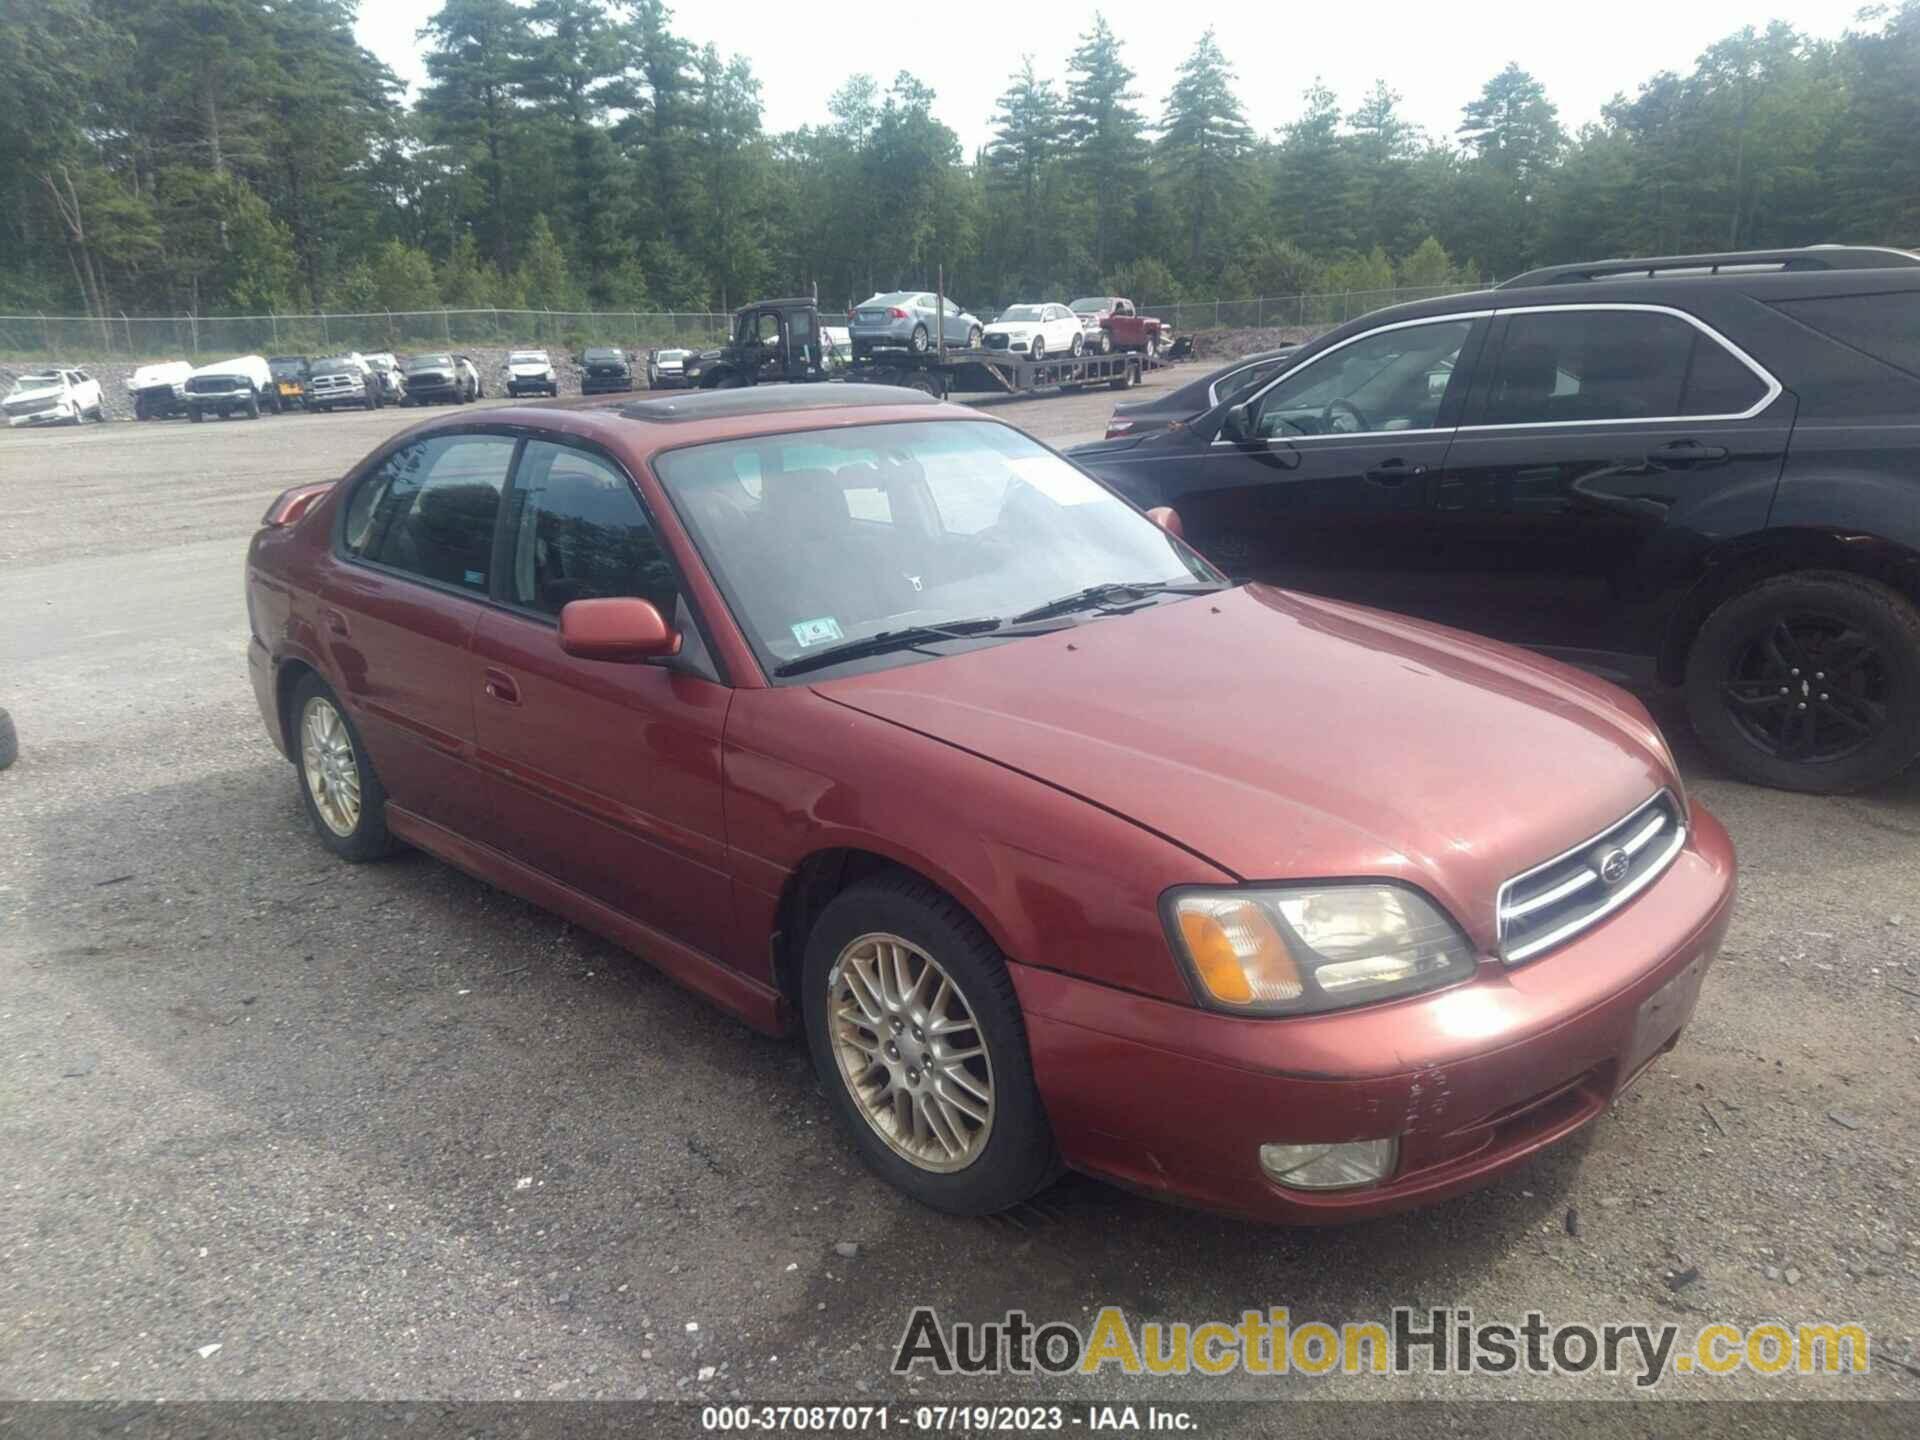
<point x="1099" y="449"/>
<point x="1281" y="736"/>
<point x="531" y="367"/>
<point x="168" y="374"/>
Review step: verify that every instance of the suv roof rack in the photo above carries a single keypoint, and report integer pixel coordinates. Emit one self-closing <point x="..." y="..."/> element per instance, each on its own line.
<point x="1735" y="262"/>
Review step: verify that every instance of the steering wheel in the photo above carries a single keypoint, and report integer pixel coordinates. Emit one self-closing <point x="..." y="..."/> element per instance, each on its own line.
<point x="1355" y="426"/>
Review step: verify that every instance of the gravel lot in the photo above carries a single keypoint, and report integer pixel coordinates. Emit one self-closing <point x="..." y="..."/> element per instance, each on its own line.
<point x="380" y="1131"/>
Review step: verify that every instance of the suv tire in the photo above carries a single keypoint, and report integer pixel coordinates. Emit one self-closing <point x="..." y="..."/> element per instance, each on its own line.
<point x="1809" y="682"/>
<point x="1017" y="1156"/>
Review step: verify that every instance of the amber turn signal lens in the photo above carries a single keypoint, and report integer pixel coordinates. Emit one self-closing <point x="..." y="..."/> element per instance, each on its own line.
<point x="1237" y="953"/>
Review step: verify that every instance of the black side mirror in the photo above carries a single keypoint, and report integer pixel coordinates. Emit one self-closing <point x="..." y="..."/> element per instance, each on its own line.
<point x="1237" y="424"/>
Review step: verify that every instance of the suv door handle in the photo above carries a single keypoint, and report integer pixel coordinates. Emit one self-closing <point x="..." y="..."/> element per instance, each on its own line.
<point x="501" y="686"/>
<point x="1394" y="472"/>
<point x="1686" y="452"/>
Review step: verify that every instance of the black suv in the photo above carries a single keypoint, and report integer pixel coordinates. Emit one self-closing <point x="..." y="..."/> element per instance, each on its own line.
<point x="603" y="371"/>
<point x="1700" y="471"/>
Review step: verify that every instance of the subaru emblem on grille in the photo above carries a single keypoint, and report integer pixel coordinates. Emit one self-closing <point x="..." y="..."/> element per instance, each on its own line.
<point x="1613" y="866"/>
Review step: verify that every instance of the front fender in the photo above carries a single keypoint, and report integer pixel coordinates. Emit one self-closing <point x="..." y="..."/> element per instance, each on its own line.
<point x="1056" y="882"/>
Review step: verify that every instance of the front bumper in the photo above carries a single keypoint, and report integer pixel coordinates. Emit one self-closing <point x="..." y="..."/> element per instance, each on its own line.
<point x="1472" y="1080"/>
<point x="58" y="416"/>
<point x="530" y="385"/>
<point x="605" y="384"/>
<point x="668" y="380"/>
<point x="423" y="392"/>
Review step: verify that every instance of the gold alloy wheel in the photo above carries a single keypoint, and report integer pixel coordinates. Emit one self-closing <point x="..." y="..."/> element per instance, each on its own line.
<point x="910" y="1053"/>
<point x="333" y="774"/>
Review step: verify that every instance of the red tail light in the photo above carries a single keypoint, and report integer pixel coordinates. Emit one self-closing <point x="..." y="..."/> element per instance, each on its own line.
<point x="1117" y="428"/>
<point x="294" y="503"/>
<point x="897" y="313"/>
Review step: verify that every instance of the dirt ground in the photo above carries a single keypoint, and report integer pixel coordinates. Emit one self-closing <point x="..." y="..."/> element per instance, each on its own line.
<point x="380" y="1131"/>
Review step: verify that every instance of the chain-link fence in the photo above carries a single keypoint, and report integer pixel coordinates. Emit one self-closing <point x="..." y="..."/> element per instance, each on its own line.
<point x="212" y="337"/>
<point x="75" y="338"/>
<point x="1334" y="307"/>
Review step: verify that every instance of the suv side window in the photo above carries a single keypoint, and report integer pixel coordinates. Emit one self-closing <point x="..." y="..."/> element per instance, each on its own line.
<point x="1568" y="366"/>
<point x="1396" y="379"/>
<point x="1886" y="326"/>
<point x="579" y="533"/>
<point x="430" y="509"/>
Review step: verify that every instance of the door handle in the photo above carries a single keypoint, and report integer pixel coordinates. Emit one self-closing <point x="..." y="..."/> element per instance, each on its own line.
<point x="1394" y="472"/>
<point x="1686" y="452"/>
<point x="502" y="687"/>
<point x="336" y="622"/>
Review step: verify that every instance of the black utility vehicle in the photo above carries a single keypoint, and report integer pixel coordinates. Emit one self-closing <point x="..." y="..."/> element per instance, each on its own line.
<point x="603" y="371"/>
<point x="1184" y="402"/>
<point x="1700" y="471"/>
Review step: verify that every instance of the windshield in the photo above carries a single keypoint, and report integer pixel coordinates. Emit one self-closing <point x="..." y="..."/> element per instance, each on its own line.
<point x="835" y="535"/>
<point x="285" y="366"/>
<point x="37" y="382"/>
<point x="527" y="357"/>
<point x="336" y="367"/>
<point x="430" y="362"/>
<point x="1021" y="312"/>
<point x="1090" y="306"/>
<point x="603" y="356"/>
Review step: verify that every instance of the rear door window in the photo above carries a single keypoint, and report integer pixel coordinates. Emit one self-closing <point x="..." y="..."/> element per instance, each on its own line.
<point x="1886" y="326"/>
<point x="430" y="509"/>
<point x="1572" y="366"/>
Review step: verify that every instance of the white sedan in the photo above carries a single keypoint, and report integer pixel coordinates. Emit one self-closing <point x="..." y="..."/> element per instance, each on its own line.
<point x="1036" y="330"/>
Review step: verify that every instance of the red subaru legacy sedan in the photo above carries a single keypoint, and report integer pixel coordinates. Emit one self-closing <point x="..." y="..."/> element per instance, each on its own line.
<point x="870" y="716"/>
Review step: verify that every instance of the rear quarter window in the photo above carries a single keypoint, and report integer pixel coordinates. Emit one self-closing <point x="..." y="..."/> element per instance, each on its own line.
<point x="1885" y="326"/>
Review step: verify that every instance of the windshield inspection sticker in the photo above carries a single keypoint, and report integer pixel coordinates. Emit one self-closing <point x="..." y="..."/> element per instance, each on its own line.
<point x="816" y="632"/>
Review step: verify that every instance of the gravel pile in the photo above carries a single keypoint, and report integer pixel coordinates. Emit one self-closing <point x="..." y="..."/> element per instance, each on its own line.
<point x="1232" y="344"/>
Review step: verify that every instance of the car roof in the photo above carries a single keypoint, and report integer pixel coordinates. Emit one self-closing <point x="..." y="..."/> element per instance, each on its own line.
<point x="1719" y="265"/>
<point x="636" y="429"/>
<point x="769" y="400"/>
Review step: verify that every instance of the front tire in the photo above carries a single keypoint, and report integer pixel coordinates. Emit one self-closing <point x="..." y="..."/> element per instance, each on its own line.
<point x="344" y="797"/>
<point x="1809" y="682"/>
<point x="197" y="415"/>
<point x="917" y="342"/>
<point x="1079" y="344"/>
<point x="974" y="337"/>
<point x="918" y="1040"/>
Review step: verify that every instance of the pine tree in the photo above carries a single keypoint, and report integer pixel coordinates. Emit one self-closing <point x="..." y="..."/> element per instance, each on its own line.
<point x="1312" y="166"/>
<point x="1106" y="141"/>
<point x="1203" y="148"/>
<point x="476" y="52"/>
<point x="1019" y="168"/>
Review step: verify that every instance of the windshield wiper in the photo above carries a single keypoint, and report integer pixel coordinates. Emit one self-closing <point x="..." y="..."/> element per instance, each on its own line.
<point x="1096" y="595"/>
<point x="889" y="640"/>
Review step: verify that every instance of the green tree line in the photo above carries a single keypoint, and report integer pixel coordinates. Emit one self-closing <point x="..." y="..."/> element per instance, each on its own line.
<point x="241" y="156"/>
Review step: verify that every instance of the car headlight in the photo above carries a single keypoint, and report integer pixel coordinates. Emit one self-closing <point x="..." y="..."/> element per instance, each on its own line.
<point x="1296" y="949"/>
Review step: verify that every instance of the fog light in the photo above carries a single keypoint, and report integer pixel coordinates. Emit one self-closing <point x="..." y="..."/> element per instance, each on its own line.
<point x="1330" y="1167"/>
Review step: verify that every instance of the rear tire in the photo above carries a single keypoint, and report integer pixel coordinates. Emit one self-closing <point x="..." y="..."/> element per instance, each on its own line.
<point x="917" y="342"/>
<point x="332" y="763"/>
<point x="1011" y="1155"/>
<point x="196" y="414"/>
<point x="1809" y="682"/>
<point x="1079" y="344"/>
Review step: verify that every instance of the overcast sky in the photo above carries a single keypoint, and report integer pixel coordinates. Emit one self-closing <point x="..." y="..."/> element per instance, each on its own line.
<point x="1437" y="56"/>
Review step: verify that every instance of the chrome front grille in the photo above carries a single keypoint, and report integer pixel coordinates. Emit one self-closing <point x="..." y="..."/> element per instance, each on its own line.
<point x="1551" y="903"/>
